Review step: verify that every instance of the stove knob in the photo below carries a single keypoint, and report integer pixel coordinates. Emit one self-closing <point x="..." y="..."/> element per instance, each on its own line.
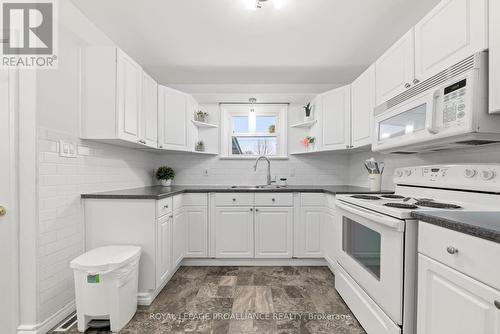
<point x="399" y="173"/>
<point x="488" y="175"/>
<point x="470" y="173"/>
<point x="408" y="172"/>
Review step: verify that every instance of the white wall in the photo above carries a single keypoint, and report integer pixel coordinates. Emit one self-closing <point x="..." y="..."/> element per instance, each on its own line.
<point x="474" y="155"/>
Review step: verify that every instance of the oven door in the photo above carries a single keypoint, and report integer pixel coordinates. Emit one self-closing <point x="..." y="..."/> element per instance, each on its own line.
<point x="372" y="253"/>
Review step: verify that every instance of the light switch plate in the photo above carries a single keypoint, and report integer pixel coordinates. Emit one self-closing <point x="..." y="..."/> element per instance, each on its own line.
<point x="67" y="149"/>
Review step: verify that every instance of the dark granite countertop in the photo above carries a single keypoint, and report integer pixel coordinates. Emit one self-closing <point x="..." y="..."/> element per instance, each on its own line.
<point x="159" y="192"/>
<point x="481" y="224"/>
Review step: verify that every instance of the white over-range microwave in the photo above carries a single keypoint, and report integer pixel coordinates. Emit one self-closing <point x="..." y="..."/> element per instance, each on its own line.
<point x="448" y="110"/>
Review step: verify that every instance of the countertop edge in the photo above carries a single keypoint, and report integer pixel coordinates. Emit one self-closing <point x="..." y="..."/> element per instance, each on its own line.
<point x="228" y="190"/>
<point x="476" y="231"/>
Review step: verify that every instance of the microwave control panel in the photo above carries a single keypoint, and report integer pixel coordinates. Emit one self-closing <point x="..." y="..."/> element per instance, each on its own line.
<point x="454" y="103"/>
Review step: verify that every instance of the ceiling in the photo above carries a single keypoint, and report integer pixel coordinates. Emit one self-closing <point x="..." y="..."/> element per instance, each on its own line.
<point x="221" y="42"/>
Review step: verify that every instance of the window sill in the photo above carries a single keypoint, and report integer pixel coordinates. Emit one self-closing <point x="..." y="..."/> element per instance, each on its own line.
<point x="252" y="158"/>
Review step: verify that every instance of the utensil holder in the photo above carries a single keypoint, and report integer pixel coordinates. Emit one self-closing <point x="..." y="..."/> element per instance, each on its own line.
<point x="375" y="181"/>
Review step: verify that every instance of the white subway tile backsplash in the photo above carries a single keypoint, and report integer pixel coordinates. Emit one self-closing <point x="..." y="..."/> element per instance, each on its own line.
<point x="99" y="167"/>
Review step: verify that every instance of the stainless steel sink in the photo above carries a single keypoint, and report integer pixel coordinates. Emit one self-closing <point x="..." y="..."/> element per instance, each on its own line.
<point x="256" y="187"/>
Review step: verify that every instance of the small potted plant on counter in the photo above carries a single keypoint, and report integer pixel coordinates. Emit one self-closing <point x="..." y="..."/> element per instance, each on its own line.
<point x="165" y="175"/>
<point x="309" y="142"/>
<point x="200" y="146"/>
<point x="201" y="116"/>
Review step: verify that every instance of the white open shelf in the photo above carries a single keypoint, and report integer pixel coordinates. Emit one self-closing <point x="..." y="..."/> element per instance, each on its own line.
<point x="204" y="125"/>
<point x="307" y="124"/>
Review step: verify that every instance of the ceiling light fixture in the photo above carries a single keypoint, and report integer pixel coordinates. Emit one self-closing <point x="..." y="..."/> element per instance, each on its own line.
<point x="257" y="4"/>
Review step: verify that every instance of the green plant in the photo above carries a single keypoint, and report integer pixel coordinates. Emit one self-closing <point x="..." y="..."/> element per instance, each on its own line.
<point x="272" y="128"/>
<point x="165" y="173"/>
<point x="308" y="109"/>
<point x="201" y="116"/>
<point x="200" y="146"/>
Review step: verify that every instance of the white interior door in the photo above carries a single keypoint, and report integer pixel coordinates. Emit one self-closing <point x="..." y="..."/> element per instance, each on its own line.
<point x="8" y="235"/>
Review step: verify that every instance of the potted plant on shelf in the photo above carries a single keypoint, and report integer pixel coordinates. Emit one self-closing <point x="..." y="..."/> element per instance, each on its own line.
<point x="272" y="128"/>
<point x="200" y="146"/>
<point x="309" y="142"/>
<point x="308" y="110"/>
<point x="165" y="175"/>
<point x="201" y="116"/>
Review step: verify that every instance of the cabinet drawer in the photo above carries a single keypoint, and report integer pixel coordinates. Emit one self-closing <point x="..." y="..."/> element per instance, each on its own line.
<point x="193" y="199"/>
<point x="274" y="199"/>
<point x="311" y="199"/>
<point x="164" y="207"/>
<point x="234" y="199"/>
<point x="476" y="257"/>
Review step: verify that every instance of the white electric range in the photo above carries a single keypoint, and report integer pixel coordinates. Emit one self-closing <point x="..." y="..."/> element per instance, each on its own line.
<point x="377" y="268"/>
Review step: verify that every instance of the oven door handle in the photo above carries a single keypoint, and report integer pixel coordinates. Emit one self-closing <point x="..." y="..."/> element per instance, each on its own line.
<point x="392" y="223"/>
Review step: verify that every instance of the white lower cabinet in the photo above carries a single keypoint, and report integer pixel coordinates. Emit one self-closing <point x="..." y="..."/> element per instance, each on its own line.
<point x="273" y="232"/>
<point x="163" y="249"/>
<point x="450" y="302"/>
<point x="234" y="232"/>
<point x="331" y="237"/>
<point x="310" y="233"/>
<point x="196" y="220"/>
<point x="178" y="236"/>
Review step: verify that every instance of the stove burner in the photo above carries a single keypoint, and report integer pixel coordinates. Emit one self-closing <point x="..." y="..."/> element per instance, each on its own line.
<point x="393" y="196"/>
<point x="401" y="205"/>
<point x="373" y="198"/>
<point x="437" y="205"/>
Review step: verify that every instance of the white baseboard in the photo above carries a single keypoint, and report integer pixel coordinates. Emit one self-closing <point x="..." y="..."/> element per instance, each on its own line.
<point x="145" y="299"/>
<point x="49" y="323"/>
<point x="254" y="262"/>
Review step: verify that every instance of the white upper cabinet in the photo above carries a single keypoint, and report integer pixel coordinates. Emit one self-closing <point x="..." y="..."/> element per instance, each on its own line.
<point x="336" y="119"/>
<point x="149" y="119"/>
<point x="129" y="97"/>
<point x="172" y="129"/>
<point x="452" y="31"/>
<point x="363" y="103"/>
<point x="395" y="69"/>
<point x="494" y="35"/>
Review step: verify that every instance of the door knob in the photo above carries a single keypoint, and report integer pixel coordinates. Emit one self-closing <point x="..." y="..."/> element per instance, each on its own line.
<point x="3" y="211"/>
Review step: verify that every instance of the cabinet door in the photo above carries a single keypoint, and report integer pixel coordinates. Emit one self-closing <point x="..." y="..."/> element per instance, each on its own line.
<point x="234" y="232"/>
<point x="193" y="134"/>
<point x="171" y="119"/>
<point x="494" y="63"/>
<point x="129" y="97"/>
<point x="179" y="237"/>
<point x="149" y="119"/>
<point x="310" y="233"/>
<point x="273" y="232"/>
<point x="363" y="103"/>
<point x="330" y="237"/>
<point x="451" y="32"/>
<point x="336" y="122"/>
<point x="395" y="69"/>
<point x="164" y="250"/>
<point x="197" y="231"/>
<point x="450" y="302"/>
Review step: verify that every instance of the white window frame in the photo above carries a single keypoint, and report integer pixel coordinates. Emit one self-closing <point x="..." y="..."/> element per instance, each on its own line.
<point x="230" y="110"/>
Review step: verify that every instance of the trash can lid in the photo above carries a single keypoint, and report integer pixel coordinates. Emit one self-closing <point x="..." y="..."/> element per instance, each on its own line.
<point x="105" y="259"/>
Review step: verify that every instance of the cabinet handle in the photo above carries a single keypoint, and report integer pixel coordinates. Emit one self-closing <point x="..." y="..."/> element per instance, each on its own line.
<point x="166" y="206"/>
<point x="251" y="210"/>
<point x="407" y="85"/>
<point x="234" y="199"/>
<point x="416" y="81"/>
<point x="451" y="250"/>
<point x="274" y="199"/>
<point x="497" y="304"/>
<point x="256" y="210"/>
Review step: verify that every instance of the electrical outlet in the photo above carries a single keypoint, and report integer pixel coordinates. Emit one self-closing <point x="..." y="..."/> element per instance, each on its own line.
<point x="66" y="149"/>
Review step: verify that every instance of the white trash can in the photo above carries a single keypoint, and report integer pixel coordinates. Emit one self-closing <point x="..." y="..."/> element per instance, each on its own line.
<point x="106" y="285"/>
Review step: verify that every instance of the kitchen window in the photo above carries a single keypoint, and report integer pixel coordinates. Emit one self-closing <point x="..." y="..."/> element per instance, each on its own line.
<point x="252" y="130"/>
